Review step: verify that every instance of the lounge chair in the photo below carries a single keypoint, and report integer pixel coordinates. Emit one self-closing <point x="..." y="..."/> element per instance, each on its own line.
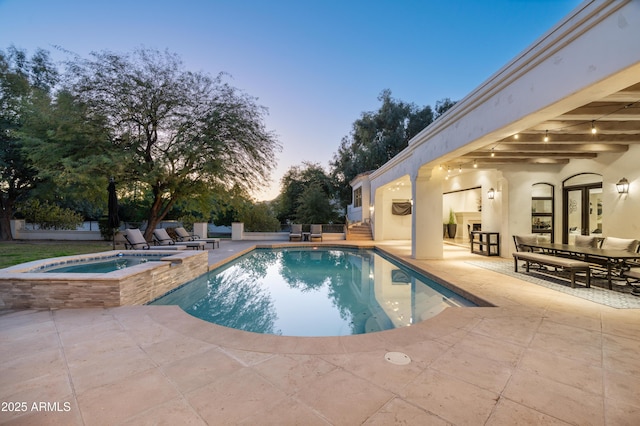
<point x="135" y="241"/>
<point x="296" y="232"/>
<point x="184" y="235"/>
<point x="161" y="236"/>
<point x="316" y="232"/>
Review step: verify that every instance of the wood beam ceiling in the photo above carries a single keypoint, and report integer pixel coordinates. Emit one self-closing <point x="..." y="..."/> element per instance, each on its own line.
<point x="616" y="119"/>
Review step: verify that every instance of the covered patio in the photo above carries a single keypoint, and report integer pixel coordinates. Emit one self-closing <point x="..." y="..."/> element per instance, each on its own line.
<point x="539" y="147"/>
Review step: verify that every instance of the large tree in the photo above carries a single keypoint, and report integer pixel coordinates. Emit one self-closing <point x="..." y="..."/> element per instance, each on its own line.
<point x="25" y="87"/>
<point x="297" y="182"/>
<point x="177" y="133"/>
<point x="378" y="136"/>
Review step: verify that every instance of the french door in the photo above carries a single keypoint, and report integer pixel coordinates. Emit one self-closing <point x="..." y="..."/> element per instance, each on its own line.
<point x="582" y="211"/>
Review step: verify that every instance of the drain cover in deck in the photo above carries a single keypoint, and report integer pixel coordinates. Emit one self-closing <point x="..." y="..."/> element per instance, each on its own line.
<point x="397" y="358"/>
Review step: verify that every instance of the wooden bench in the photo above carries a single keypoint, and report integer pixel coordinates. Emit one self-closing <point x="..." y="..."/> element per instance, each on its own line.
<point x="570" y="265"/>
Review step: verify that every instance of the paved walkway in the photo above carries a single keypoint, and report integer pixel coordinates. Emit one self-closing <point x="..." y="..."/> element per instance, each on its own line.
<point x="538" y="357"/>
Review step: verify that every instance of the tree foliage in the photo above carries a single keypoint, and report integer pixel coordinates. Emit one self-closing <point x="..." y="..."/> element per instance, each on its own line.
<point x="50" y="216"/>
<point x="25" y="86"/>
<point x="259" y="217"/>
<point x="297" y="182"/>
<point x="178" y="133"/>
<point x="377" y="137"/>
<point x="315" y="206"/>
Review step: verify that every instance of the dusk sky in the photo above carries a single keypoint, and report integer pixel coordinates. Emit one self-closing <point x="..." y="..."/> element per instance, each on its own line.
<point x="316" y="65"/>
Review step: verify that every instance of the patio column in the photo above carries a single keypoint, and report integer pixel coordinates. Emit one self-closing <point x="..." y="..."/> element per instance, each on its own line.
<point x="426" y="220"/>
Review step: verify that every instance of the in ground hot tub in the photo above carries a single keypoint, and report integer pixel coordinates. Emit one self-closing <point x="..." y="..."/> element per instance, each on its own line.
<point x="25" y="286"/>
<point x="100" y="264"/>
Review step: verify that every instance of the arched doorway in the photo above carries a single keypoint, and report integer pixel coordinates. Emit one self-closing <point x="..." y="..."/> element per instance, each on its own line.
<point x="582" y="206"/>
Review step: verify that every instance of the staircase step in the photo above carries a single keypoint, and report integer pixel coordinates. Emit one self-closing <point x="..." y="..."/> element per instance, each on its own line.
<point x="360" y="232"/>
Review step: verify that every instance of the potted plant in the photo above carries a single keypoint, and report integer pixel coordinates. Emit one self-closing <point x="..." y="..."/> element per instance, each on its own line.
<point x="452" y="227"/>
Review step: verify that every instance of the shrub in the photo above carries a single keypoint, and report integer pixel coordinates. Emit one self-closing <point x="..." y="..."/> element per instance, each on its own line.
<point x="50" y="216"/>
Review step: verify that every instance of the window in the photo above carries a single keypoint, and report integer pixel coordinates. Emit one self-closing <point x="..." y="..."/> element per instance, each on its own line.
<point x="542" y="209"/>
<point x="357" y="197"/>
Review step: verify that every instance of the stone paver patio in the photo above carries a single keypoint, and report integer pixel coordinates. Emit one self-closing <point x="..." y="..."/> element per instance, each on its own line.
<point x="537" y="357"/>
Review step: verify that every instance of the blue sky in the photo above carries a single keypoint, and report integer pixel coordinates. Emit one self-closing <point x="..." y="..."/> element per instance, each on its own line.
<point x="316" y="65"/>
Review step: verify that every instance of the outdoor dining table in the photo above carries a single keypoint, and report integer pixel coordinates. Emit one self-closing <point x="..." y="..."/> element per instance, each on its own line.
<point x="612" y="259"/>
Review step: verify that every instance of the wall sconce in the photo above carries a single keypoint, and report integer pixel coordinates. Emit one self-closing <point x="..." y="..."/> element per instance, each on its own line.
<point x="623" y="186"/>
<point x="491" y="194"/>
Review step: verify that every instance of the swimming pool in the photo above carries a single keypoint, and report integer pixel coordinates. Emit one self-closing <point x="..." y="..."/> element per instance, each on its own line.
<point x="313" y="292"/>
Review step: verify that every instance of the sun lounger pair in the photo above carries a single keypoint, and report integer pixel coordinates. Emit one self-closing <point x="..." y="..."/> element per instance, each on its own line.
<point x="135" y="241"/>
<point x="161" y="236"/>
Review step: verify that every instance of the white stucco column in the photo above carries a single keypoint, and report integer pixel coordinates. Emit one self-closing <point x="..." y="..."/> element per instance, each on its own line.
<point x="376" y="213"/>
<point x="237" y="231"/>
<point x="201" y="229"/>
<point x="495" y="212"/>
<point x="492" y="210"/>
<point x="426" y="232"/>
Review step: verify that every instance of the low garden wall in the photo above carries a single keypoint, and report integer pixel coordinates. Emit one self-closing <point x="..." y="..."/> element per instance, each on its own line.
<point x="238" y="233"/>
<point x="19" y="232"/>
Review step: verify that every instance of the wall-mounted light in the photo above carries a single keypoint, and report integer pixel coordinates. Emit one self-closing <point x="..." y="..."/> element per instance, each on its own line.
<point x="623" y="186"/>
<point x="593" y="128"/>
<point x="491" y="194"/>
<point x="546" y="136"/>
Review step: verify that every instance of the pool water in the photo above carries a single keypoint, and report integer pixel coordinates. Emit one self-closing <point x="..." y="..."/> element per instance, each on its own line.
<point x="101" y="265"/>
<point x="313" y="292"/>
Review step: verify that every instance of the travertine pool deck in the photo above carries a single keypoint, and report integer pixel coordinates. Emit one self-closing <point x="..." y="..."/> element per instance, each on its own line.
<point x="537" y="357"/>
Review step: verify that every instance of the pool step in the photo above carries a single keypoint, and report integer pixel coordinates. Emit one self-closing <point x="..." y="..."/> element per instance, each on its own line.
<point x="360" y="232"/>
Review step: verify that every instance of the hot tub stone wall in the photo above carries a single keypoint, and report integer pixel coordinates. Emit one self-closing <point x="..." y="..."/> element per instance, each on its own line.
<point x="131" y="286"/>
<point x="154" y="283"/>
